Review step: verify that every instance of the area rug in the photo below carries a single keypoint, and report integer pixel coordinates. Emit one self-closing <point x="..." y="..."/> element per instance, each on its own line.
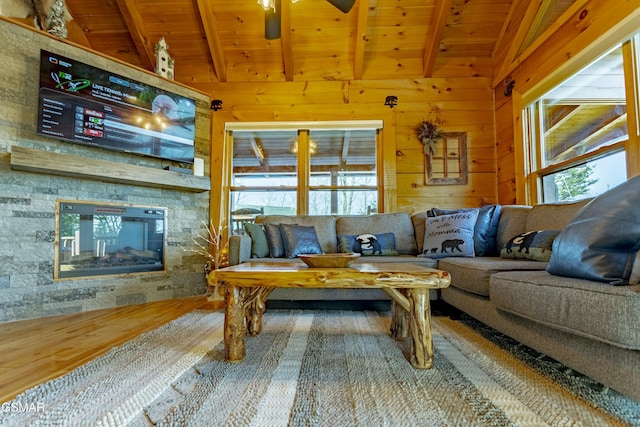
<point x="329" y="368"/>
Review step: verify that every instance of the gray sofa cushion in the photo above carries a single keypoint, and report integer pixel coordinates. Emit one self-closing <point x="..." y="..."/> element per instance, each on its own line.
<point x="325" y="227"/>
<point x="610" y="314"/>
<point x="398" y="223"/>
<point x="553" y="216"/>
<point x="513" y="221"/>
<point x="518" y="219"/>
<point x="472" y="274"/>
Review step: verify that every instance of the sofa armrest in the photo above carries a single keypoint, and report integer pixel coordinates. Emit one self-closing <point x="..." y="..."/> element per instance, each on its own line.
<point x="239" y="249"/>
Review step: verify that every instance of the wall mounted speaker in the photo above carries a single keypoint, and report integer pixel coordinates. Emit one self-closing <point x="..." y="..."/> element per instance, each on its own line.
<point x="344" y="5"/>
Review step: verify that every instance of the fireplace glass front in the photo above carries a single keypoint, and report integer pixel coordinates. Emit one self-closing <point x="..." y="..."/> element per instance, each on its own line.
<point x="97" y="239"/>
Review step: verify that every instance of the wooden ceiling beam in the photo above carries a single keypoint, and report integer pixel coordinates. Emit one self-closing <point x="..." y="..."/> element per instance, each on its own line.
<point x="432" y="44"/>
<point x="524" y="28"/>
<point x="213" y="39"/>
<point x="361" y="39"/>
<point x="134" y="23"/>
<point x="75" y="32"/>
<point x="505" y="36"/>
<point x="509" y="65"/>
<point x="568" y="14"/>
<point x="285" y="38"/>
<point x="545" y="7"/>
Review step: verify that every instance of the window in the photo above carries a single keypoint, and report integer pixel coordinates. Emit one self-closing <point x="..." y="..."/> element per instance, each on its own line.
<point x="343" y="172"/>
<point x="315" y="169"/>
<point x="576" y="133"/>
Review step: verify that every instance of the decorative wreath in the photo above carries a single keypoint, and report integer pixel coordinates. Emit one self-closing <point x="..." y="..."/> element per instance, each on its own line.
<point x="428" y="134"/>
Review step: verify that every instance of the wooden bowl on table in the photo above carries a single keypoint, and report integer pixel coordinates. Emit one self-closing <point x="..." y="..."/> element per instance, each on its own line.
<point x="329" y="260"/>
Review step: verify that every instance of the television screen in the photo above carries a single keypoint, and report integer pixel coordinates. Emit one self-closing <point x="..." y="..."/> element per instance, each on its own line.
<point x="84" y="104"/>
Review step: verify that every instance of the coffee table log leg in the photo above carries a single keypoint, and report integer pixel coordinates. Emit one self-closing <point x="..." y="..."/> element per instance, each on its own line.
<point x="254" y="309"/>
<point x="399" y="322"/>
<point x="420" y="328"/>
<point x="234" y="324"/>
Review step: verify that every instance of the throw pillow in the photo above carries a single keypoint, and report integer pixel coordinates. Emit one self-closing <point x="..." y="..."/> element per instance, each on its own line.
<point x="299" y="239"/>
<point x="450" y="235"/>
<point x="533" y="245"/>
<point x="368" y="244"/>
<point x="259" y="244"/>
<point x="603" y="240"/>
<point x="274" y="240"/>
<point x="485" y="230"/>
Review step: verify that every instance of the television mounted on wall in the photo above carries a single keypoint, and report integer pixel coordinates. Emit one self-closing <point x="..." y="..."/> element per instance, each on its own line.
<point x="84" y="104"/>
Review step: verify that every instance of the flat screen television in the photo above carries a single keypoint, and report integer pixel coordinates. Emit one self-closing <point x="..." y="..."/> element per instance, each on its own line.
<point x="84" y="104"/>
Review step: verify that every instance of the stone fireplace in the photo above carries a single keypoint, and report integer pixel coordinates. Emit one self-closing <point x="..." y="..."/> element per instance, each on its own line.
<point x="60" y="254"/>
<point x="94" y="239"/>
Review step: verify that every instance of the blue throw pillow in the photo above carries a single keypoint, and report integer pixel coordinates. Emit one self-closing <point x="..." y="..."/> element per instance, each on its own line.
<point x="368" y="244"/>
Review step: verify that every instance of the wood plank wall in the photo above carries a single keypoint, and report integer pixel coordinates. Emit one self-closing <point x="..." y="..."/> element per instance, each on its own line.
<point x="465" y="105"/>
<point x="594" y="27"/>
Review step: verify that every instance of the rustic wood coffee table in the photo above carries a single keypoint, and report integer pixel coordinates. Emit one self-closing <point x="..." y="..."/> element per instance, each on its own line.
<point x="248" y="285"/>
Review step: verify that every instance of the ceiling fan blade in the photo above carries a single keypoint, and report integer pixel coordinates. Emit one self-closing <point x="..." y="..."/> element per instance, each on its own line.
<point x="272" y="27"/>
<point x="344" y="5"/>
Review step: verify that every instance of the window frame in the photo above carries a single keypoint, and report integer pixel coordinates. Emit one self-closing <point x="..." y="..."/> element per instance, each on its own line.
<point x="527" y="136"/>
<point x="303" y="171"/>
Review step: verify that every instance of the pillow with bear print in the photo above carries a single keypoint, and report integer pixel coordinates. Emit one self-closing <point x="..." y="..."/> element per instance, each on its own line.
<point x="368" y="244"/>
<point x="486" y="228"/>
<point x="450" y="235"/>
<point x="532" y="245"/>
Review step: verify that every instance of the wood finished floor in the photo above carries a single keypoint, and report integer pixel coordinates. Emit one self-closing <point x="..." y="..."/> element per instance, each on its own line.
<point x="38" y="350"/>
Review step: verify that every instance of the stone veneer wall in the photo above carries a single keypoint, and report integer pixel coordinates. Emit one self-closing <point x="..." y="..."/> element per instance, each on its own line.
<point x="28" y="199"/>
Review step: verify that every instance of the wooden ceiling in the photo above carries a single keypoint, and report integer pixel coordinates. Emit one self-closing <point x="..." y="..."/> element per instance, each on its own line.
<point x="223" y="40"/>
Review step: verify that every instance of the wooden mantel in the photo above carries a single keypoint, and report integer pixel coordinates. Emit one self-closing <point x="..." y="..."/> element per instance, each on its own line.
<point x="31" y="160"/>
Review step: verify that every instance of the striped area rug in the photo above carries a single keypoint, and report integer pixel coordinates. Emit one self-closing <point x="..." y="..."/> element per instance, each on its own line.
<point x="329" y="368"/>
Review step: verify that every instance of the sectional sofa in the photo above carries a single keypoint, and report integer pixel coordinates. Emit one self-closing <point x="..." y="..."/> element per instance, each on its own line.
<point x="588" y="325"/>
